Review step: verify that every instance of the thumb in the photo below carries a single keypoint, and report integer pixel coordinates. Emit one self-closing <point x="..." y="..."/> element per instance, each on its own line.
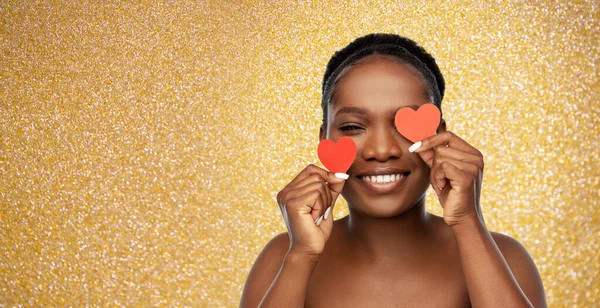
<point x="427" y="157"/>
<point x="336" y="182"/>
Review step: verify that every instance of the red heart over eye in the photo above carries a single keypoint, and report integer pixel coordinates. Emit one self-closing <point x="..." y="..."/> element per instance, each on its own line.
<point x="337" y="157"/>
<point x="417" y="125"/>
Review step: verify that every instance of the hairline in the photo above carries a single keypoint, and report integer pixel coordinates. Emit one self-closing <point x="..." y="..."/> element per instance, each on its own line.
<point x="361" y="61"/>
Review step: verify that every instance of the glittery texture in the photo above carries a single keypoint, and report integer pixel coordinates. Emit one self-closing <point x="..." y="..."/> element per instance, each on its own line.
<point x="142" y="143"/>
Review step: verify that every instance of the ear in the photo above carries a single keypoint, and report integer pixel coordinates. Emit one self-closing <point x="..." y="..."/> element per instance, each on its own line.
<point x="442" y="126"/>
<point x="322" y="132"/>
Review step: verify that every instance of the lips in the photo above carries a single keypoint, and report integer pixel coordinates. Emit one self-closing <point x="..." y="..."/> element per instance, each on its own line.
<point x="382" y="180"/>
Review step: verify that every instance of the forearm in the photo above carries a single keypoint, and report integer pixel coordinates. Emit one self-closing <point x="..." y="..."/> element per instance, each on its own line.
<point x="489" y="280"/>
<point x="291" y="283"/>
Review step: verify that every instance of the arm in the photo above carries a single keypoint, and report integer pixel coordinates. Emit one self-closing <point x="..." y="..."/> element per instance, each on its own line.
<point x="498" y="270"/>
<point x="278" y="278"/>
<point x="280" y="275"/>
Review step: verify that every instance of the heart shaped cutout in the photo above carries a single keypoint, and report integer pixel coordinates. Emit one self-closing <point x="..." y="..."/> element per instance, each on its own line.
<point x="337" y="156"/>
<point x="418" y="125"/>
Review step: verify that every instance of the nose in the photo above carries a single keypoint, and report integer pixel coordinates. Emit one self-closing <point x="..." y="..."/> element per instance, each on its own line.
<point x="382" y="144"/>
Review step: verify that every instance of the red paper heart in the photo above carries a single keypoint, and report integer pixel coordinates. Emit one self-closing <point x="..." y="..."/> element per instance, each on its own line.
<point x="417" y="125"/>
<point x="337" y="157"/>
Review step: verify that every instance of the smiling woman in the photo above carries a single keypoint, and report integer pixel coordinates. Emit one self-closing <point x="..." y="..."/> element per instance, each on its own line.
<point x="389" y="251"/>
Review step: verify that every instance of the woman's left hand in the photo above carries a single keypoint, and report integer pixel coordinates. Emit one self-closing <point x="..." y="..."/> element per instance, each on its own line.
<point x="456" y="174"/>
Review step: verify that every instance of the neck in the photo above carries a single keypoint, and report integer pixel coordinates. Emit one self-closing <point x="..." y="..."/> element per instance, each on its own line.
<point x="378" y="239"/>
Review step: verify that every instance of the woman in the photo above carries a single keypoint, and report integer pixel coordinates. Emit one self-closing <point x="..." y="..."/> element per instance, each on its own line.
<point x="389" y="252"/>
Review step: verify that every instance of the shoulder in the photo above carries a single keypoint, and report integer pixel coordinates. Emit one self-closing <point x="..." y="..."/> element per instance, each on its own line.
<point x="515" y="254"/>
<point x="272" y="255"/>
<point x="522" y="266"/>
<point x="277" y="247"/>
<point x="265" y="270"/>
<point x="509" y="246"/>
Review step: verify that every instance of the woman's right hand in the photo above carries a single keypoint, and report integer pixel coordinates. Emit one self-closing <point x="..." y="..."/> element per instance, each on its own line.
<point x="302" y="202"/>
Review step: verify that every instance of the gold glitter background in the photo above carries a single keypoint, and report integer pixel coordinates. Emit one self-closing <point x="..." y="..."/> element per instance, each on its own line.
<point x="142" y="143"/>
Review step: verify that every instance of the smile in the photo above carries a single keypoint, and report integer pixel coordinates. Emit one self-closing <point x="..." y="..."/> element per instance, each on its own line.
<point x="382" y="183"/>
<point x="384" y="178"/>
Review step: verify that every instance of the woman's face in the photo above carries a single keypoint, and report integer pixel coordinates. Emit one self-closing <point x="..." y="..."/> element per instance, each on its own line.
<point x="385" y="179"/>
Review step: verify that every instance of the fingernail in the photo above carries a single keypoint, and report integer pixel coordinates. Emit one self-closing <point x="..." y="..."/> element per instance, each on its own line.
<point x="415" y="146"/>
<point x="327" y="213"/>
<point x="442" y="187"/>
<point x="342" y="176"/>
<point x="319" y="220"/>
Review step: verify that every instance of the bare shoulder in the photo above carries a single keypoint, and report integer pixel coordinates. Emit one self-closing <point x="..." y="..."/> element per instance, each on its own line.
<point x="509" y="246"/>
<point x="515" y="254"/>
<point x="278" y="245"/>
<point x="264" y="270"/>
<point x="523" y="268"/>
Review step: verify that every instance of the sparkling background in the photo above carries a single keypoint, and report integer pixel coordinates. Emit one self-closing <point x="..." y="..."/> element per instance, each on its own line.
<point x="142" y="143"/>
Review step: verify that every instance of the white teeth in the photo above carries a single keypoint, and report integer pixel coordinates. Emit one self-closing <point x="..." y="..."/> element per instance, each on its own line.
<point x="382" y="178"/>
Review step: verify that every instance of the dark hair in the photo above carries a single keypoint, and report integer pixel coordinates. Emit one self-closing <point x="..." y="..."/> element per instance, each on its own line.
<point x="402" y="49"/>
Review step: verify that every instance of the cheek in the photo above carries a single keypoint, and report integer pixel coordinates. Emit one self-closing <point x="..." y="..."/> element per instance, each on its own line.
<point x="420" y="163"/>
<point x="421" y="169"/>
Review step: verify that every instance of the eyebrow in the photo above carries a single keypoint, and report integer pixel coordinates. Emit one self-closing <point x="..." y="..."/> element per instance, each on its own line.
<point x="362" y="111"/>
<point x="414" y="107"/>
<point x="352" y="110"/>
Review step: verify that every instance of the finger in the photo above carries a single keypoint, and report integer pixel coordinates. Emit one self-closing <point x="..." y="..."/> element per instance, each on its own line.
<point x="473" y="168"/>
<point x="455" y="154"/>
<point x="335" y="184"/>
<point x="427" y="156"/>
<point x="315" y="178"/>
<point x="334" y="189"/>
<point x="443" y="139"/>
<point x="329" y="212"/>
<point x="327" y="222"/>
<point x="319" y="207"/>
<point x="312" y="170"/>
<point x="320" y="187"/>
<point x="446" y="171"/>
<point x="466" y="167"/>
<point x="437" y="178"/>
<point x="307" y="205"/>
<point x="301" y="205"/>
<point x="329" y="215"/>
<point x="306" y="172"/>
